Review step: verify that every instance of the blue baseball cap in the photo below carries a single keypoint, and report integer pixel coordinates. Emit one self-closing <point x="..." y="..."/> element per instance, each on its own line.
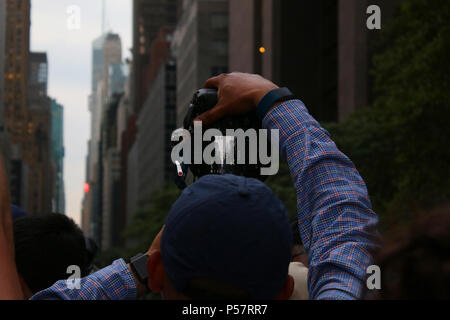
<point x="229" y="229"/>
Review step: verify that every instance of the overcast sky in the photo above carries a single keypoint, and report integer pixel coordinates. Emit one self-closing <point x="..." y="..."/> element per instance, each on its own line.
<point x="69" y="56"/>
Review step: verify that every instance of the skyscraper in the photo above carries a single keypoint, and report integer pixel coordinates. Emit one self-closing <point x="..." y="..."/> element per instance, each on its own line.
<point x="38" y="75"/>
<point x="200" y="46"/>
<point x="106" y="53"/>
<point x="156" y="123"/>
<point x="38" y="153"/>
<point x="106" y="50"/>
<point x="57" y="152"/>
<point x="97" y="61"/>
<point x="16" y="116"/>
<point x="112" y="55"/>
<point x="117" y="75"/>
<point x="111" y="219"/>
<point x="111" y="174"/>
<point x="4" y="142"/>
<point x="149" y="163"/>
<point x="148" y="18"/>
<point x="2" y="57"/>
<point x="16" y="69"/>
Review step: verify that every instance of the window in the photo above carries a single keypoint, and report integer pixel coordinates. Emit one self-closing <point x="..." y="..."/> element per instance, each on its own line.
<point x="42" y="73"/>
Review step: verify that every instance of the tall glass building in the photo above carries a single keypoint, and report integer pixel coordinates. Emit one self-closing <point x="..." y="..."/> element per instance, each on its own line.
<point x="57" y="154"/>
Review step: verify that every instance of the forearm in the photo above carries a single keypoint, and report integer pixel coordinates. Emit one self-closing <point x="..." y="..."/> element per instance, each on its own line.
<point x="140" y="288"/>
<point x="9" y="280"/>
<point x="336" y="221"/>
<point x="10" y="285"/>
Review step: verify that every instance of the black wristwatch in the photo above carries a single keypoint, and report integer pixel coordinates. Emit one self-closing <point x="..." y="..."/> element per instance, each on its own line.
<point x="139" y="266"/>
<point x="277" y="95"/>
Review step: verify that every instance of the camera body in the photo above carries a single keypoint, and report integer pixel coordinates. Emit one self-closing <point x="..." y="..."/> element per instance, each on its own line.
<point x="203" y="101"/>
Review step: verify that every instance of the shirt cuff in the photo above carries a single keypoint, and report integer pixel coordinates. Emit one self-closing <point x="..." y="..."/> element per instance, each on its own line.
<point x="288" y="116"/>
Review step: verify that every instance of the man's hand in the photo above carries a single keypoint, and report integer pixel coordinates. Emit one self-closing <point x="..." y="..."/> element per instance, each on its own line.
<point x="239" y="93"/>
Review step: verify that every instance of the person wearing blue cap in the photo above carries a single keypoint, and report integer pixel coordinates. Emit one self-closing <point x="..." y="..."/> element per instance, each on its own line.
<point x="225" y="237"/>
<point x="229" y="237"/>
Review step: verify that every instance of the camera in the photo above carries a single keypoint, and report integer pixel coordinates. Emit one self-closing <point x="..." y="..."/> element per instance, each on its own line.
<point x="234" y="158"/>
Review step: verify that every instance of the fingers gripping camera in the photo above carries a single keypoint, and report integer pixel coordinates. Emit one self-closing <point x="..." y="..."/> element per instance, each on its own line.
<point x="233" y="145"/>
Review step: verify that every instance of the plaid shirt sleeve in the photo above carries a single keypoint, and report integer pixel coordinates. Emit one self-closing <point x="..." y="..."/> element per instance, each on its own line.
<point x="114" y="282"/>
<point x="337" y="224"/>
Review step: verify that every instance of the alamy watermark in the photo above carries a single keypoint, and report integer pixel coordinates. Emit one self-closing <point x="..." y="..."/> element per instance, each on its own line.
<point x="73" y="17"/>
<point x="374" y="20"/>
<point x="373" y="281"/>
<point x="74" y="281"/>
<point x="222" y="149"/>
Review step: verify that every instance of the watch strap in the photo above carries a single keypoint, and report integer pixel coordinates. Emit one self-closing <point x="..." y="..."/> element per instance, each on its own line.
<point x="139" y="266"/>
<point x="277" y="95"/>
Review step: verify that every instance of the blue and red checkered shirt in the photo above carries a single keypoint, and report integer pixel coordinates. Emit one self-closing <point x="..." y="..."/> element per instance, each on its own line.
<point x="337" y="224"/>
<point x="114" y="282"/>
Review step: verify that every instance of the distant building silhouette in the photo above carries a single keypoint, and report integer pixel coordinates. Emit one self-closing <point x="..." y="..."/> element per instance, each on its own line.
<point x="57" y="140"/>
<point x="106" y="56"/>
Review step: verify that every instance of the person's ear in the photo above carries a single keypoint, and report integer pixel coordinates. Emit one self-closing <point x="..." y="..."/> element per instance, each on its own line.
<point x="287" y="290"/>
<point x="155" y="270"/>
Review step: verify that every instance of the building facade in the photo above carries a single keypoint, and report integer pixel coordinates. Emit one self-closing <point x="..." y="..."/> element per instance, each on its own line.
<point x="299" y="39"/>
<point x="38" y="75"/>
<point x="112" y="56"/>
<point x="111" y="219"/>
<point x="16" y="28"/>
<point x="2" y="58"/>
<point x="4" y="141"/>
<point x="38" y="153"/>
<point x="57" y="140"/>
<point x="156" y="123"/>
<point x="149" y="16"/>
<point x="17" y="46"/>
<point x="200" y="46"/>
<point x="153" y="23"/>
<point x="319" y="49"/>
<point x="97" y="61"/>
<point x="111" y="173"/>
<point x="27" y="117"/>
<point x="106" y="56"/>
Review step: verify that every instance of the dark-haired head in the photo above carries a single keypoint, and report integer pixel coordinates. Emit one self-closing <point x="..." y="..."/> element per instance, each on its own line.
<point x="45" y="247"/>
